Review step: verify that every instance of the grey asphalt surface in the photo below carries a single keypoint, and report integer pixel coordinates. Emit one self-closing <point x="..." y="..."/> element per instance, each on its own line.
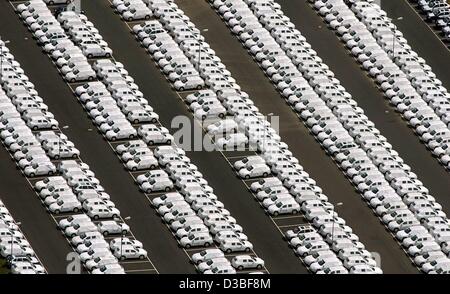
<point x="294" y="133"/>
<point x="267" y="240"/>
<point x="37" y="225"/>
<point x="145" y="224"/>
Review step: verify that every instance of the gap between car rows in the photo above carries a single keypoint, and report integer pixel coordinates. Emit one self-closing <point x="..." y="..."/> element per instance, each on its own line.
<point x="265" y="237"/>
<point x="146" y="225"/>
<point x="315" y="161"/>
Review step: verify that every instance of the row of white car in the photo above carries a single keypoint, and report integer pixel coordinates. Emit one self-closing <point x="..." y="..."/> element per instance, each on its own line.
<point x="168" y="56"/>
<point x="408" y="90"/>
<point x="121" y="85"/>
<point x="105" y="112"/>
<point x="15" y="248"/>
<point x="411" y="84"/>
<point x="79" y="190"/>
<point x="97" y="254"/>
<point x="347" y="134"/>
<point x="246" y="116"/>
<point x="16" y="134"/>
<point x="59" y="194"/>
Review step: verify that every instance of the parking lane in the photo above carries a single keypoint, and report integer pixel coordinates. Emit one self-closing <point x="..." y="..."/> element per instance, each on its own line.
<point x="262" y="233"/>
<point x="302" y="144"/>
<point x="146" y="225"/>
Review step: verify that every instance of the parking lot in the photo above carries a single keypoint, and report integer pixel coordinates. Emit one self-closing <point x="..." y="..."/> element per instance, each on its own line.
<point x="266" y="232"/>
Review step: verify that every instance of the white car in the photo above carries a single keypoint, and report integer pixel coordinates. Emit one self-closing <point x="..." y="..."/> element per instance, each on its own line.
<point x="225" y="126"/>
<point x="80" y="74"/>
<point x="248" y="161"/>
<point x="40" y="169"/>
<point x="189" y="83"/>
<point x="157" y="137"/>
<point x="212" y="263"/>
<point x="65" y="206"/>
<point x="197" y="239"/>
<point x="113" y="227"/>
<point x="191" y="229"/>
<point x="137" y="13"/>
<point x="236" y="245"/>
<point x="142" y="162"/>
<point x="211" y="111"/>
<point x="124" y="241"/>
<point x="241" y="262"/>
<point x="122" y="148"/>
<point x="166" y="198"/>
<point x="26" y="268"/>
<point x="157" y="184"/>
<point x="153" y="174"/>
<point x="121" y="133"/>
<point x="102" y="211"/>
<point x="207" y="254"/>
<point x="284" y="206"/>
<point x="112" y="268"/>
